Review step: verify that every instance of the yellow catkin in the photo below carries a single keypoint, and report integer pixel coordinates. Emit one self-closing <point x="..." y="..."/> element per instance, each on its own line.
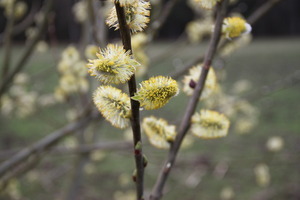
<point x="193" y="76"/>
<point x="156" y="92"/>
<point x="113" y="105"/>
<point x="234" y="27"/>
<point x="209" y="124"/>
<point x="207" y="4"/>
<point x="113" y="65"/>
<point x="159" y="132"/>
<point x="137" y="15"/>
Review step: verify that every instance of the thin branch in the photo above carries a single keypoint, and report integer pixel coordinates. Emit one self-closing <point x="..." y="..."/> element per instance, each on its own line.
<point x="181" y="71"/>
<point x="8" y="40"/>
<point x="84" y="149"/>
<point x="266" y="194"/>
<point x="158" y="23"/>
<point x="77" y="179"/>
<point x="261" y="11"/>
<point x="97" y="20"/>
<point x="108" y="145"/>
<point x="87" y="148"/>
<point x="92" y="18"/>
<point x="19" y="170"/>
<point x="26" y="22"/>
<point x="135" y="105"/>
<point x="27" y="53"/>
<point x="252" y="19"/>
<point x="45" y="143"/>
<point x="180" y="43"/>
<point x="78" y="175"/>
<point x="185" y="124"/>
<point x="287" y="81"/>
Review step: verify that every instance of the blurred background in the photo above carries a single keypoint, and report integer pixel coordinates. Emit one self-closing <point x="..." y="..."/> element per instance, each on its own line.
<point x="281" y="21"/>
<point x="258" y="89"/>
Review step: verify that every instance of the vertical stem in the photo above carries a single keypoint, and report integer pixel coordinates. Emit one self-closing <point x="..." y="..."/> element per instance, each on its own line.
<point x="97" y="20"/>
<point x="79" y="173"/>
<point x="92" y="19"/>
<point x="185" y="124"/>
<point x="135" y="105"/>
<point x="5" y="83"/>
<point x="7" y="40"/>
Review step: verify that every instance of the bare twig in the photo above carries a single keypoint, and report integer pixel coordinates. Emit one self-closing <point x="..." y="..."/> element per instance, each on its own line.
<point x="180" y="43"/>
<point x="108" y="145"/>
<point x="158" y="23"/>
<point x="92" y="18"/>
<point x="78" y="175"/>
<point x="7" y="41"/>
<point x="135" y="105"/>
<point x="87" y="148"/>
<point x="45" y="143"/>
<point x="77" y="179"/>
<point x="97" y="20"/>
<point x="185" y="123"/>
<point x="252" y="19"/>
<point x="261" y="11"/>
<point x="287" y="81"/>
<point x="181" y="71"/>
<point x="28" y="51"/>
<point x="19" y="170"/>
<point x="26" y="22"/>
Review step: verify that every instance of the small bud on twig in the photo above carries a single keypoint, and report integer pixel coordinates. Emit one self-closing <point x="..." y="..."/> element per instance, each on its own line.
<point x="145" y="161"/>
<point x="167" y="168"/>
<point x="138" y="148"/>
<point x="134" y="174"/>
<point x="192" y="84"/>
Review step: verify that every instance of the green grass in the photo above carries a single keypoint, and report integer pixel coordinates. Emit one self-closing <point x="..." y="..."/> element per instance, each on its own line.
<point x="263" y="63"/>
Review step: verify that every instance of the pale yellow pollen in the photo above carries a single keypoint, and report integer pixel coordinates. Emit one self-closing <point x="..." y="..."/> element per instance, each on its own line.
<point x="209" y="124"/>
<point x="234" y="26"/>
<point x="159" y="132"/>
<point x="156" y="92"/>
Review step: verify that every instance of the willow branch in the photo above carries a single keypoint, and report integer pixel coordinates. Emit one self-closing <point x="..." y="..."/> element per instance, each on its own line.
<point x="185" y="123"/>
<point x="19" y="171"/>
<point x="283" y="83"/>
<point x="86" y="148"/>
<point x="180" y="43"/>
<point x="165" y="12"/>
<point x="28" y="51"/>
<point x="261" y="11"/>
<point x="45" y="143"/>
<point x="181" y="71"/>
<point x="7" y="41"/>
<point x="108" y="145"/>
<point x="135" y="105"/>
<point x="97" y="20"/>
<point x="20" y="27"/>
<point x="252" y="19"/>
<point x="92" y="19"/>
<point x="78" y="175"/>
